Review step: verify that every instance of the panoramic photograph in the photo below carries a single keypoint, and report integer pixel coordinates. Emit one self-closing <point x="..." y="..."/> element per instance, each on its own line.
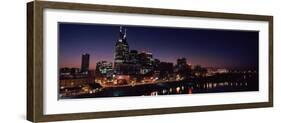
<point x="103" y="60"/>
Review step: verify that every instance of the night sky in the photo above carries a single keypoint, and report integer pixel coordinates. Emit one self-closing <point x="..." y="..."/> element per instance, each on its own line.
<point x="209" y="48"/>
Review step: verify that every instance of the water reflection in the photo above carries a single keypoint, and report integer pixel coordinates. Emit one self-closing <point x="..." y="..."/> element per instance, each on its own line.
<point x="201" y="88"/>
<point x="170" y="88"/>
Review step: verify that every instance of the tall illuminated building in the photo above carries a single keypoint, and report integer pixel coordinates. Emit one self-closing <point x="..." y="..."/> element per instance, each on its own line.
<point x="146" y="61"/>
<point x="121" y="53"/>
<point x="104" y="67"/>
<point x="134" y="59"/>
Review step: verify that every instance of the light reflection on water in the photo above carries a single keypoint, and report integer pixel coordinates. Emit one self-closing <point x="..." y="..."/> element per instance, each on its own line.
<point x="169" y="88"/>
<point x="209" y="86"/>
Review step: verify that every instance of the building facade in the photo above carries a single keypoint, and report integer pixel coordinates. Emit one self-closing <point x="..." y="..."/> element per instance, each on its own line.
<point x="85" y="63"/>
<point x="121" y="53"/>
<point x="104" y="68"/>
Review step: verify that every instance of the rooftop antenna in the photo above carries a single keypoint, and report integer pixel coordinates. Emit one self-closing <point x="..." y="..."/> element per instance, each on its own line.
<point x="125" y="34"/>
<point x="120" y="33"/>
<point x="120" y="28"/>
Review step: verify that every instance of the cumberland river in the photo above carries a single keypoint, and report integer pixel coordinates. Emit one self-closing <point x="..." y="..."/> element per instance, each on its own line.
<point x="168" y="88"/>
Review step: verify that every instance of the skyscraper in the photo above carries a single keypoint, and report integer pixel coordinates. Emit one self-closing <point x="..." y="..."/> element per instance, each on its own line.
<point x="121" y="54"/>
<point x="85" y="63"/>
<point x="104" y="67"/>
<point x="134" y="59"/>
<point x="182" y="69"/>
<point x="181" y="63"/>
<point x="121" y="48"/>
<point x="146" y="62"/>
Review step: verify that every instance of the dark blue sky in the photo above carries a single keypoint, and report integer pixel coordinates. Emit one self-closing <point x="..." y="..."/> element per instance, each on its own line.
<point x="206" y="47"/>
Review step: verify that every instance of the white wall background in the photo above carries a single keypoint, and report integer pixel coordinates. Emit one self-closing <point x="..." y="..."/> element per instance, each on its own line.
<point x="13" y="61"/>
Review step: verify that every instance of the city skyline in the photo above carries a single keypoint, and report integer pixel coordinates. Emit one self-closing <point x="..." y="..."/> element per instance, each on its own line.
<point x="209" y="48"/>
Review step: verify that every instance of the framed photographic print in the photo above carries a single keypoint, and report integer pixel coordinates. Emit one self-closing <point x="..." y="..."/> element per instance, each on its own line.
<point x="96" y="61"/>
